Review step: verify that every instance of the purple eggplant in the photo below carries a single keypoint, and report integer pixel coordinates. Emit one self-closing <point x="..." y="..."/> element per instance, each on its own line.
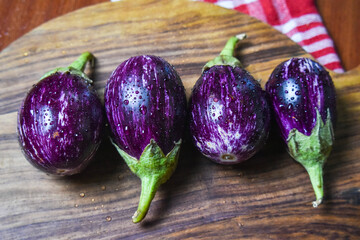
<point x="229" y="113"/>
<point x="60" y="120"/>
<point x="145" y="104"/>
<point x="302" y="96"/>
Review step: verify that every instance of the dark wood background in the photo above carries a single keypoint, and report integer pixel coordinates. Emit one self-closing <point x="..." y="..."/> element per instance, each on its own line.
<point x="342" y="19"/>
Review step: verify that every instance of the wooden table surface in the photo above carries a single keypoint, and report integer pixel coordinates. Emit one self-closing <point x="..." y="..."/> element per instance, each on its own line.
<point x="20" y="16"/>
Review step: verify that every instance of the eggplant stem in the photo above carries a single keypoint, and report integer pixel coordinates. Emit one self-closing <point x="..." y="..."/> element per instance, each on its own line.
<point x="230" y="45"/>
<point x="316" y="177"/>
<point x="80" y="62"/>
<point x="226" y="57"/>
<point x="149" y="187"/>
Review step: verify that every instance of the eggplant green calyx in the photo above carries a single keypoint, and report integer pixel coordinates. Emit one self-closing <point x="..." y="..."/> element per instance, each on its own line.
<point x="226" y="56"/>
<point x="154" y="169"/>
<point x="76" y="68"/>
<point x="312" y="151"/>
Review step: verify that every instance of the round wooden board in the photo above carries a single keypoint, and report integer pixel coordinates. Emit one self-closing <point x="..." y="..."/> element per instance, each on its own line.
<point x="267" y="197"/>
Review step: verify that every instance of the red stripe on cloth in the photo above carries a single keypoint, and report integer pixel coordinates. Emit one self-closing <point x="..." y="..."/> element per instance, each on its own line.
<point x="299" y="8"/>
<point x="211" y="1"/>
<point x="270" y="12"/>
<point x="242" y="8"/>
<point x="314" y="39"/>
<point x="334" y="65"/>
<point x="304" y="28"/>
<point x="323" y="52"/>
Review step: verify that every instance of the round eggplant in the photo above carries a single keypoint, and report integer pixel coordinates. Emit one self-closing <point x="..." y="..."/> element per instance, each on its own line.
<point x="60" y="120"/>
<point x="229" y="113"/>
<point x="145" y="105"/>
<point x="303" y="99"/>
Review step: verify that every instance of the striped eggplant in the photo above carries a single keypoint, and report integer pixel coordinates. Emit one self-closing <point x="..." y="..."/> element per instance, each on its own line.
<point x="145" y="104"/>
<point x="229" y="113"/>
<point x="302" y="96"/>
<point x="60" y="120"/>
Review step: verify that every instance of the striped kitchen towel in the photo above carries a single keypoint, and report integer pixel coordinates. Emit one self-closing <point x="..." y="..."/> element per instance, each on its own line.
<point x="299" y="20"/>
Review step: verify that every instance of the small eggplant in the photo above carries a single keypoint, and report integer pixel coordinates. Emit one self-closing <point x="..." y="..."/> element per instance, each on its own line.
<point x="229" y="113"/>
<point x="145" y="104"/>
<point x="60" y="120"/>
<point x="302" y="96"/>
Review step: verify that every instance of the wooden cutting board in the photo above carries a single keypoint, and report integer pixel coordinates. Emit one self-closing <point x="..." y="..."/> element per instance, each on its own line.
<point x="267" y="197"/>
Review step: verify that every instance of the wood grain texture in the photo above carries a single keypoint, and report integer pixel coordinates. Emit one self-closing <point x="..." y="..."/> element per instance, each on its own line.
<point x="268" y="197"/>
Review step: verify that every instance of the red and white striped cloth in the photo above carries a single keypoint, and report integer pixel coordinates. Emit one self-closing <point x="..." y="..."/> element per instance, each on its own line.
<point x="299" y="20"/>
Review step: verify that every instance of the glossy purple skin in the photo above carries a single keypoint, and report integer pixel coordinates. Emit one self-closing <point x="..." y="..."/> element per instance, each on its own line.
<point x="229" y="115"/>
<point x="296" y="88"/>
<point x="59" y="124"/>
<point x="145" y="99"/>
